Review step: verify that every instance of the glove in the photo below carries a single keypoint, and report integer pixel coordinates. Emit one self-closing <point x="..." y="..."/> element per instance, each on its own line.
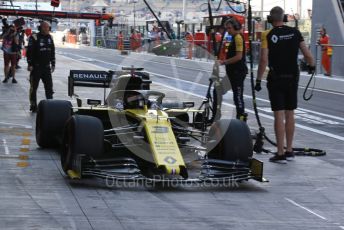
<point x="29" y="68"/>
<point x="52" y="69"/>
<point x="258" y="86"/>
<point x="311" y="69"/>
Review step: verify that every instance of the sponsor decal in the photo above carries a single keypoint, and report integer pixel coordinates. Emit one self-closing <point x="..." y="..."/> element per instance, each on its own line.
<point x="160" y="129"/>
<point x="170" y="160"/>
<point x="89" y="76"/>
<point x="274" y="39"/>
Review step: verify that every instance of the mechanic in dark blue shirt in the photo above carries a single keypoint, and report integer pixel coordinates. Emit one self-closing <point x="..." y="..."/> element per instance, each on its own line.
<point x="41" y="63"/>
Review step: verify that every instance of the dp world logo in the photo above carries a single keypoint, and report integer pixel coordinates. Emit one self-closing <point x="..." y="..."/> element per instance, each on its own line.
<point x="274" y="39"/>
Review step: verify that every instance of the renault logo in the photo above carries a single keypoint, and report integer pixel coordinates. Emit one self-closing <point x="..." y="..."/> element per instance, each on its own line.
<point x="170" y="160"/>
<point x="274" y="39"/>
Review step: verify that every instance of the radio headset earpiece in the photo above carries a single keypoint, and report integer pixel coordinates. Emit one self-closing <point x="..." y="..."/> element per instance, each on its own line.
<point x="285" y="18"/>
<point x="235" y="23"/>
<point x="39" y="26"/>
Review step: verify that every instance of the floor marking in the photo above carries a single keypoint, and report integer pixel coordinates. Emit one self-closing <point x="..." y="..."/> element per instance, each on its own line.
<point x="25" y="145"/>
<point x="26" y="141"/>
<point x="22" y="164"/>
<point x="24" y="149"/>
<point x="20" y="157"/>
<point x="26" y="134"/>
<point x="20" y="125"/>
<point x="304" y="208"/>
<point x="23" y="157"/>
<point x="7" y="151"/>
<point x="341" y="227"/>
<point x="321" y="114"/>
<point x="251" y="111"/>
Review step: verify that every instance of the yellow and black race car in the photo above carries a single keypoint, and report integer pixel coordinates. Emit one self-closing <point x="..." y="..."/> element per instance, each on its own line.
<point x="134" y="135"/>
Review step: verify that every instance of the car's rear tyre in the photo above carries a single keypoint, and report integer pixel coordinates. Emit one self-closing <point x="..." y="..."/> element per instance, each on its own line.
<point x="83" y="135"/>
<point x="230" y="140"/>
<point x="50" y="120"/>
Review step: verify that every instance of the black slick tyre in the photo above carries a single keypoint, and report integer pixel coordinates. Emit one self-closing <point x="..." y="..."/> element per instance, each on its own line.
<point x="50" y="120"/>
<point x="83" y="135"/>
<point x="230" y="139"/>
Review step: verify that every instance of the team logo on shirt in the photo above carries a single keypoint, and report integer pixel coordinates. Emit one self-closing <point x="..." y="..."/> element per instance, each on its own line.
<point x="274" y="39"/>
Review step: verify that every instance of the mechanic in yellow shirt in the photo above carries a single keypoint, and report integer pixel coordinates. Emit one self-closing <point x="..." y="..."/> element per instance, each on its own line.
<point x="236" y="68"/>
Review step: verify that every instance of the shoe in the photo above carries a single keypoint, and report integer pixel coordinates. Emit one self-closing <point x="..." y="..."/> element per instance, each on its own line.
<point x="5" y="80"/>
<point x="18" y="67"/>
<point x="289" y="156"/>
<point x="281" y="159"/>
<point x="242" y="116"/>
<point x="14" y="81"/>
<point x="33" y="108"/>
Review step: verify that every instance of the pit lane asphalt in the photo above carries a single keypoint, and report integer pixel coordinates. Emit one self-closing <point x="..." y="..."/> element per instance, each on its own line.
<point x="304" y="194"/>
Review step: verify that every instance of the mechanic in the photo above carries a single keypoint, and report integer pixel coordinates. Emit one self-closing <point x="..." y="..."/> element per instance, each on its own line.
<point x="236" y="68"/>
<point x="41" y="63"/>
<point x="279" y="50"/>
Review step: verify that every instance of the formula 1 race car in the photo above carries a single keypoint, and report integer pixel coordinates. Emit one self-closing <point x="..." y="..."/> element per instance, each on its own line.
<point x="134" y="135"/>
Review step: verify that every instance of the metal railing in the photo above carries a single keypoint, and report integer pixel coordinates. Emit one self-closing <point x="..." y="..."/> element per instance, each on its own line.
<point x="319" y="53"/>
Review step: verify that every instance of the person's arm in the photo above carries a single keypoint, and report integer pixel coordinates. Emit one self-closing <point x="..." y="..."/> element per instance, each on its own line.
<point x="264" y="53"/>
<point x="52" y="60"/>
<point x="239" y="43"/>
<point x="30" y="52"/>
<point x="263" y="61"/>
<point x="236" y="58"/>
<point x="16" y="40"/>
<point x="307" y="54"/>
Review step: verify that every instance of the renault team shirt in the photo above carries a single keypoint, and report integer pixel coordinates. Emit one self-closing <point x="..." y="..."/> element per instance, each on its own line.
<point x="283" y="43"/>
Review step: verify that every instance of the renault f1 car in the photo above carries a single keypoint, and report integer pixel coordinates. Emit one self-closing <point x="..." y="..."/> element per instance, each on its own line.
<point x="133" y="134"/>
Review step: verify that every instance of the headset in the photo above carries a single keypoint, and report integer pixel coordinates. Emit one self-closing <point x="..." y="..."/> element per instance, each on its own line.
<point x="270" y="20"/>
<point x="234" y="22"/>
<point x="39" y="26"/>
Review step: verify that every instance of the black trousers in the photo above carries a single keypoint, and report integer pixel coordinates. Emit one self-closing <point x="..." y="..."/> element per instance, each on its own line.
<point x="40" y="73"/>
<point x="236" y="79"/>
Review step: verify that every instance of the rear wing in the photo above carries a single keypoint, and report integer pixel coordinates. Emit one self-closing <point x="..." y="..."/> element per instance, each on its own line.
<point x="89" y="78"/>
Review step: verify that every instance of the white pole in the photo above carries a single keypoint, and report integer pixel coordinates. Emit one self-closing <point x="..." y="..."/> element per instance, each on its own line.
<point x="184" y="4"/>
<point x="299" y="7"/>
<point x="262" y="8"/>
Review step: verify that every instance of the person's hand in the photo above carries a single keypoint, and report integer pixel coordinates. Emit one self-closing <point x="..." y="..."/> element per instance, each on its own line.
<point x="221" y="62"/>
<point x="311" y="69"/>
<point x="258" y="86"/>
<point x="30" y="68"/>
<point x="52" y="69"/>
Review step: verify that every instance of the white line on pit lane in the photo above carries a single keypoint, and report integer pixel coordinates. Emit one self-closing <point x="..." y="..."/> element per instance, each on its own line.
<point x="322" y="114"/>
<point x="16" y="125"/>
<point x="304" y="208"/>
<point x="197" y="95"/>
<point x="7" y="151"/>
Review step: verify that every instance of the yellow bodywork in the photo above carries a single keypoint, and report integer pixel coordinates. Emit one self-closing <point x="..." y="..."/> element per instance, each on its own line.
<point x="161" y="139"/>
